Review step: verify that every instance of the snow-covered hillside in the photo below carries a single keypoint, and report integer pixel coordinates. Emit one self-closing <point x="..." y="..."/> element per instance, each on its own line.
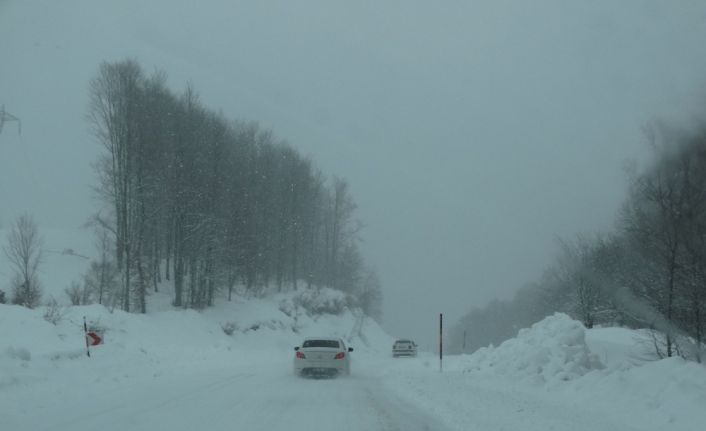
<point x="34" y="349"/>
<point x="229" y="367"/>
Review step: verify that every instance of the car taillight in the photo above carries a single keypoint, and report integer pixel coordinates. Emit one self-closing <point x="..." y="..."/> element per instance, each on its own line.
<point x="300" y="355"/>
<point x="340" y="355"/>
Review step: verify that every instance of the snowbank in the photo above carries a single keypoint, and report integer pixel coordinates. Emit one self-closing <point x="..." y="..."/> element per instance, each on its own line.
<point x="551" y="350"/>
<point x="33" y="349"/>
<point x="558" y="375"/>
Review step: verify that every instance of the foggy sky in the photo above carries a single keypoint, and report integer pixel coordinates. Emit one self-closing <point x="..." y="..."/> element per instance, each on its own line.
<point x="473" y="134"/>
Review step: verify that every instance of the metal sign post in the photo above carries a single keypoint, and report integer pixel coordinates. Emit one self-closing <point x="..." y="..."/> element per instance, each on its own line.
<point x="85" y="335"/>
<point x="93" y="337"/>
<point x="441" y="342"/>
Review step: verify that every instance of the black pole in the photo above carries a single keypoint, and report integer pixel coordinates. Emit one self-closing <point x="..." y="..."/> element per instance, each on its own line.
<point x="441" y="342"/>
<point x="85" y="336"/>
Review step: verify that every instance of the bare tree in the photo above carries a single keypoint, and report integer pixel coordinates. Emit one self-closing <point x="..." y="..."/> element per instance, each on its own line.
<point x="77" y="294"/>
<point x="341" y="231"/>
<point x="212" y="202"/>
<point x="24" y="251"/>
<point x="114" y="113"/>
<point x="369" y="295"/>
<point x="581" y="270"/>
<point x="655" y="218"/>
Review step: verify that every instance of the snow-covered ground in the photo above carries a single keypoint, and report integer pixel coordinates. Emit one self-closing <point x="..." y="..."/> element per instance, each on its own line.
<point x="558" y="375"/>
<point x="179" y="370"/>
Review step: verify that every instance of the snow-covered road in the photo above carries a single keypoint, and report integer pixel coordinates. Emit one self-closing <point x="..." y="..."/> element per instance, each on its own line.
<point x="255" y="393"/>
<point x="178" y="370"/>
<point x="264" y="396"/>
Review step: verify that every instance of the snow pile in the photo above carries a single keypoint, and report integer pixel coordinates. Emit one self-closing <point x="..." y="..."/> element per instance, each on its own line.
<point x="552" y="350"/>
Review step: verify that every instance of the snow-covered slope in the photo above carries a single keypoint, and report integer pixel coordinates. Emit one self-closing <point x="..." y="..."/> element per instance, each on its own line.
<point x="32" y="348"/>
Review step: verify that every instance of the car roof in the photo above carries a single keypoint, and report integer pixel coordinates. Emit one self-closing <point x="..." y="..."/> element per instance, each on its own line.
<point x="322" y="338"/>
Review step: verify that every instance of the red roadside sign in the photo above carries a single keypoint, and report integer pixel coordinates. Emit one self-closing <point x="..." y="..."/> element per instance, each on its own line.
<point x="93" y="339"/>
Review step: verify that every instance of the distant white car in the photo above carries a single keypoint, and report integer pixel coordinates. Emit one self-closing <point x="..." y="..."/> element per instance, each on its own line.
<point x="404" y="348"/>
<point x="322" y="356"/>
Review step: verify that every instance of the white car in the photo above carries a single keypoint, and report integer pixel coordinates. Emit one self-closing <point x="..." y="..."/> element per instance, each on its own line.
<point x="404" y="348"/>
<point x="322" y="356"/>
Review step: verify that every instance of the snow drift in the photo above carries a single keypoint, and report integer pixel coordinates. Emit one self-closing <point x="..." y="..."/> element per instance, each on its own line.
<point x="551" y="350"/>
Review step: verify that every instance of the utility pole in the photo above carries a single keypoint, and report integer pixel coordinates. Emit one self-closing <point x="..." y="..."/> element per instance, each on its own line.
<point x="6" y="117"/>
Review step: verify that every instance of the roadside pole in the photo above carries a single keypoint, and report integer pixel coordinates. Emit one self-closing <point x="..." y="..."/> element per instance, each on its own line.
<point x="85" y="336"/>
<point x="441" y="342"/>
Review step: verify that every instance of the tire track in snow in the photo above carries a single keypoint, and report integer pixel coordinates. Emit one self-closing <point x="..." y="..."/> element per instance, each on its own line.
<point x="126" y="407"/>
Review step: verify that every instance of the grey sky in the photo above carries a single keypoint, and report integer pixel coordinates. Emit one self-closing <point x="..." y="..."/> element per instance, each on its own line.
<point x="472" y="133"/>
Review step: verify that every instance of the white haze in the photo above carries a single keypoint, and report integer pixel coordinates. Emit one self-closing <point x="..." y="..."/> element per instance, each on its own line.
<point x="472" y="133"/>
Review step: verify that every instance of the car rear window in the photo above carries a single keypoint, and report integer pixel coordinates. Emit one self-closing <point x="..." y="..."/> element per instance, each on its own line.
<point x="321" y="343"/>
